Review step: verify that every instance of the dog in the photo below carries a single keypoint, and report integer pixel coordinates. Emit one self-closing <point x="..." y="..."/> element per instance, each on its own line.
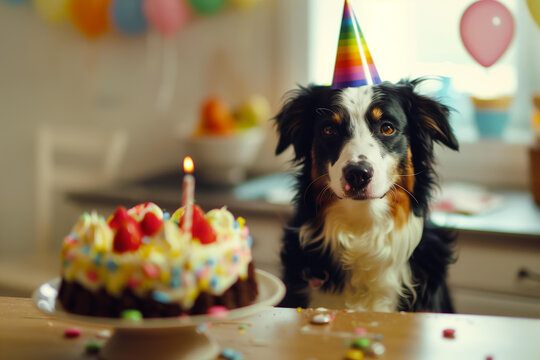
<point x="359" y="238"/>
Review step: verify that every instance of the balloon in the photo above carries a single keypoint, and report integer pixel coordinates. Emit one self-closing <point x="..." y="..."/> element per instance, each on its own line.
<point x="90" y="16"/>
<point x="128" y="16"/>
<point x="486" y="29"/>
<point x="243" y="4"/>
<point x="53" y="11"/>
<point x="534" y="9"/>
<point x="16" y="2"/>
<point x="166" y="15"/>
<point x="207" y="7"/>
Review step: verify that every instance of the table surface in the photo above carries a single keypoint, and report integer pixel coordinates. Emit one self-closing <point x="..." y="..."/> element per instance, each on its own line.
<point x="277" y="333"/>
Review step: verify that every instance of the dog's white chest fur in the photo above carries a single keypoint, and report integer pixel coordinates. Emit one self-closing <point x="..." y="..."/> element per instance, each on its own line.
<point x="363" y="239"/>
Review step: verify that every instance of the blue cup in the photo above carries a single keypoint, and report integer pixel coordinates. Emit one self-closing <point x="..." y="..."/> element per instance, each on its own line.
<point x="491" y="116"/>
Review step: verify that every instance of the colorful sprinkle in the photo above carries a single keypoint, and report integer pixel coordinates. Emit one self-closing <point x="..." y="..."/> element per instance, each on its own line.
<point x="354" y="355"/>
<point x="449" y="333"/>
<point x="93" y="347"/>
<point x="298" y="309"/>
<point x="72" y="332"/>
<point x="134" y="282"/>
<point x="132" y="315"/>
<point x="98" y="258"/>
<point x="151" y="271"/>
<point x="166" y="215"/>
<point x="379" y="337"/>
<point x="175" y="282"/>
<point x="92" y="275"/>
<point x="161" y="296"/>
<point x="111" y="265"/>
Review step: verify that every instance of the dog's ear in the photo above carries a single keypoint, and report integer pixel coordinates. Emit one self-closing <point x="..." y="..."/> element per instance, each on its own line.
<point x="293" y="122"/>
<point x="432" y="117"/>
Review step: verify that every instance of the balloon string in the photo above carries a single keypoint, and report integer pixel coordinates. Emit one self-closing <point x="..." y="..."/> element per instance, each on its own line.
<point x="168" y="75"/>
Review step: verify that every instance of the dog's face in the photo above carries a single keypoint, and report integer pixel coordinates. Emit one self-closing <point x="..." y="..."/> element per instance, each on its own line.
<point x="361" y="143"/>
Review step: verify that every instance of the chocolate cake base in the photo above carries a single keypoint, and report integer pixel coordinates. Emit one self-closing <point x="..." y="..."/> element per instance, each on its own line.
<point x="78" y="300"/>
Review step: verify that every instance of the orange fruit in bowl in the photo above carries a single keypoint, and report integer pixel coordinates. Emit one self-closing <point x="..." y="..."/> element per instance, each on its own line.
<point x="216" y="118"/>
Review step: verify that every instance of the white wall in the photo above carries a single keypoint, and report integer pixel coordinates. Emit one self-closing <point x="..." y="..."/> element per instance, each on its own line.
<point x="53" y="75"/>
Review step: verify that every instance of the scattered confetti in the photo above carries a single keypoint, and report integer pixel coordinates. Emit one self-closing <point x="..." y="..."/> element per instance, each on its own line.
<point x="72" y="332"/>
<point x="231" y="354"/>
<point x="379" y="337"/>
<point x="449" y="333"/>
<point x="375" y="349"/>
<point x="360" y="331"/>
<point x="361" y="343"/>
<point x="93" y="347"/>
<point x="321" y="309"/>
<point x="104" y="334"/>
<point x="298" y="309"/>
<point x="354" y="355"/>
<point x="321" y="319"/>
<point x="132" y="315"/>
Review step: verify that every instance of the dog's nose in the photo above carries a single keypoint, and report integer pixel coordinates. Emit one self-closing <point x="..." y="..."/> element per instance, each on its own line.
<point x="358" y="175"/>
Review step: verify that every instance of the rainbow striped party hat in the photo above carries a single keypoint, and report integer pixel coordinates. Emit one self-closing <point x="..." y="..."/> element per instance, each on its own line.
<point x="354" y="65"/>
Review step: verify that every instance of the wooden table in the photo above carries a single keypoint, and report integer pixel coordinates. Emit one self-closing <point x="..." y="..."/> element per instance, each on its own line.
<point x="276" y="333"/>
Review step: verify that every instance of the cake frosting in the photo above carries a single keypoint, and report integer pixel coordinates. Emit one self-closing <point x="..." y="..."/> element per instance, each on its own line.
<point x="145" y="252"/>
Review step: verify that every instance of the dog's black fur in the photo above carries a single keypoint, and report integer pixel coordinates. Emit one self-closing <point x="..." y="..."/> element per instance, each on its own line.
<point x="423" y="121"/>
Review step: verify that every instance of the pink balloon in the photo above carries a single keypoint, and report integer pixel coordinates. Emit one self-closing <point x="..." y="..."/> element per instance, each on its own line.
<point x="487" y="29"/>
<point x="166" y="15"/>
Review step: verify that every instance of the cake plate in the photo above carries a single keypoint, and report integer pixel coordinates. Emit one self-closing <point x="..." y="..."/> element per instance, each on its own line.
<point x="160" y="338"/>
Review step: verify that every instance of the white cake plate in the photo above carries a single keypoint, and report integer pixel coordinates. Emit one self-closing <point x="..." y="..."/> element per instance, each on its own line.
<point x="160" y="338"/>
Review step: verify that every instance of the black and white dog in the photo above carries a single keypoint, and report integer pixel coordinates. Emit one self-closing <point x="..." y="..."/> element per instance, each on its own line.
<point x="359" y="238"/>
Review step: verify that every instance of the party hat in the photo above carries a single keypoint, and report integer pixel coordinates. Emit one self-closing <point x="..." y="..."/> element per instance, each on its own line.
<point x="354" y="65"/>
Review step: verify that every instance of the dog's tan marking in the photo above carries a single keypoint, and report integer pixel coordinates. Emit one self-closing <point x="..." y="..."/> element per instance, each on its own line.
<point x="337" y="119"/>
<point x="376" y="113"/>
<point x="399" y="198"/>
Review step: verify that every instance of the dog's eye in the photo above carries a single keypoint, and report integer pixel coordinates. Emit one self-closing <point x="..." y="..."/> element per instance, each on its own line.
<point x="329" y="130"/>
<point x="387" y="129"/>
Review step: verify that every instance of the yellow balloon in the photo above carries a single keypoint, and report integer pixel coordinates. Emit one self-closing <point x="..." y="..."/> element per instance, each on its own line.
<point x="243" y="4"/>
<point x="534" y="9"/>
<point x="52" y="11"/>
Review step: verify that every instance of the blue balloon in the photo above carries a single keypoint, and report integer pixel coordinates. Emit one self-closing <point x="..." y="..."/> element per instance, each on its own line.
<point x="16" y="2"/>
<point x="128" y="16"/>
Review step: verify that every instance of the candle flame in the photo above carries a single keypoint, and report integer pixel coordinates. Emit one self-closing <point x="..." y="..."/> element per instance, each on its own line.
<point x="188" y="165"/>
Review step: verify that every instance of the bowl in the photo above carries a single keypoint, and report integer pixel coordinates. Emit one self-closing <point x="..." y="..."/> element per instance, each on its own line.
<point x="224" y="160"/>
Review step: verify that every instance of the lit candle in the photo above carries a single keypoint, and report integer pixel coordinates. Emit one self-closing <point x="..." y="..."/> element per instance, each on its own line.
<point x="188" y="191"/>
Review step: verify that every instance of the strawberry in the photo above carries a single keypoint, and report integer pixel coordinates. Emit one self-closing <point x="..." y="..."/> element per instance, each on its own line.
<point x="128" y="235"/>
<point x="201" y="228"/>
<point x="150" y="224"/>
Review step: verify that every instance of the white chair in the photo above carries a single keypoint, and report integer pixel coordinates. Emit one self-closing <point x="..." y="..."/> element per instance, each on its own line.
<point x="66" y="160"/>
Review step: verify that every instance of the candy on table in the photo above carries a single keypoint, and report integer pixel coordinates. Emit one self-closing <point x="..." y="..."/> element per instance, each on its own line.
<point x="231" y="354"/>
<point x="449" y="333"/>
<point x="321" y="319"/>
<point x="72" y="332"/>
<point x="93" y="347"/>
<point x="361" y="343"/>
<point x="354" y="354"/>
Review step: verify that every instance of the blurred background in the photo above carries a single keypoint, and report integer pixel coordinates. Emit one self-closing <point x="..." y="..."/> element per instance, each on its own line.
<point x="100" y="100"/>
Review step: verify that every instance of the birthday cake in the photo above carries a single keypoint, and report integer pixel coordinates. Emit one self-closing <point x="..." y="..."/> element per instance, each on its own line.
<point x="141" y="259"/>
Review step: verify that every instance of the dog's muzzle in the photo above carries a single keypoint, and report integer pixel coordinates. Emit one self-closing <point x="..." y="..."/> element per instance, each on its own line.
<point x="357" y="176"/>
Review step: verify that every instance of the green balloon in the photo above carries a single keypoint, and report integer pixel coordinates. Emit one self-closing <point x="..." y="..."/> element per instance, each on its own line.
<point x="207" y="7"/>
